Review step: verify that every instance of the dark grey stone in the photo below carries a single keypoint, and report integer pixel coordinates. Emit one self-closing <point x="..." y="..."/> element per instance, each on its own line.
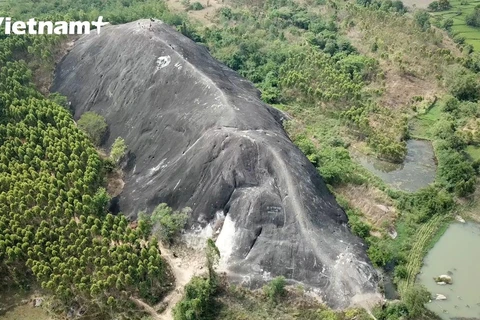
<point x="199" y="136"/>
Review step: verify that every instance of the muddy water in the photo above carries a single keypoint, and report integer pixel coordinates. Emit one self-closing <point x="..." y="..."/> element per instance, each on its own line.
<point x="416" y="172"/>
<point x="456" y="254"/>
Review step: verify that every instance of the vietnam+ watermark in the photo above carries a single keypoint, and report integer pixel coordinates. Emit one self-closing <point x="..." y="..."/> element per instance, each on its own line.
<point x="33" y="27"/>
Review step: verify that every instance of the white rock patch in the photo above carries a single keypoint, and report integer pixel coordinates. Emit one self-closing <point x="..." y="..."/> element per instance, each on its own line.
<point x="226" y="240"/>
<point x="162" y="62"/>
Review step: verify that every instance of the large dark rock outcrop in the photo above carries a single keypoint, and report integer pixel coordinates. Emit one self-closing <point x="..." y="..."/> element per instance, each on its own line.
<point x="200" y="136"/>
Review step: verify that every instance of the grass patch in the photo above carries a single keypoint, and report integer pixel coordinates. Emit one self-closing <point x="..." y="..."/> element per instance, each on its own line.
<point x="422" y="124"/>
<point x="237" y="303"/>
<point x="422" y="243"/>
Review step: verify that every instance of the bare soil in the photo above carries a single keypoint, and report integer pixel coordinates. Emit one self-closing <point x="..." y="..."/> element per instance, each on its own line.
<point x="185" y="263"/>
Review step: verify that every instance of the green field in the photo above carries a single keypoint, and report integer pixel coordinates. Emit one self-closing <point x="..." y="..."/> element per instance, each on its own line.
<point x="458" y="13"/>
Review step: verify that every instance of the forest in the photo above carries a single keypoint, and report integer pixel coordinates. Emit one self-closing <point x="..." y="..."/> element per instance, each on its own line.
<point x="327" y="63"/>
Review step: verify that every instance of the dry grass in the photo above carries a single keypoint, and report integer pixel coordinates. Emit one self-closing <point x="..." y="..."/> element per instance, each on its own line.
<point x="412" y="61"/>
<point x="205" y="16"/>
<point x="115" y="183"/>
<point x="376" y="207"/>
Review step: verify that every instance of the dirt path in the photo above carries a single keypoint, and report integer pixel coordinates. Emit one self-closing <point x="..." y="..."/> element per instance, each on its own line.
<point x="185" y="264"/>
<point x="147" y="308"/>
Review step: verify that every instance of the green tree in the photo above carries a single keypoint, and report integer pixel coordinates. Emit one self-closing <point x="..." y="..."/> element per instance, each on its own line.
<point x="118" y="150"/>
<point x="94" y="125"/>
<point x="422" y="18"/>
<point x="462" y="83"/>
<point x="415" y="298"/>
<point x="275" y="289"/>
<point x="167" y="223"/>
<point x="213" y="256"/>
<point x="473" y="18"/>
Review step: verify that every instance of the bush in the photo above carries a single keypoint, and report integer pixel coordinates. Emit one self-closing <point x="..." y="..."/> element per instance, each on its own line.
<point x="379" y="252"/>
<point x="357" y="226"/>
<point x="275" y="289"/>
<point x="422" y="18"/>
<point x="449" y="104"/>
<point x="59" y="99"/>
<point x="94" y="125"/>
<point x="196" y="6"/>
<point x="426" y="203"/>
<point x="118" y="150"/>
<point x="394" y="311"/>
<point x="108" y="165"/>
<point x="439" y="5"/>
<point x="400" y="272"/>
<point x="456" y="172"/>
<point x="415" y="298"/>
<point x="473" y="18"/>
<point x="167" y="223"/>
<point x="447" y="24"/>
<point x="197" y="301"/>
<point x="462" y="83"/>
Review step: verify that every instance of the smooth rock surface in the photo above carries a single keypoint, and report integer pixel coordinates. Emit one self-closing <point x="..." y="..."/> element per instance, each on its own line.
<point x="199" y="136"/>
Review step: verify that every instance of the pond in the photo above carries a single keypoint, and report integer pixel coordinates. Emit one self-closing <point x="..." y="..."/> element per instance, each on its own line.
<point x="456" y="254"/>
<point x="416" y="172"/>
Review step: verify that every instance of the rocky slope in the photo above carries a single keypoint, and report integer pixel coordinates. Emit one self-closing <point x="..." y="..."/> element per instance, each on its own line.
<point x="199" y="136"/>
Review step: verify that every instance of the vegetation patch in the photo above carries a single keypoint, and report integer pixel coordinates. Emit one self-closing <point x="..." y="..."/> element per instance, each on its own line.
<point x="464" y="17"/>
<point x="421" y="125"/>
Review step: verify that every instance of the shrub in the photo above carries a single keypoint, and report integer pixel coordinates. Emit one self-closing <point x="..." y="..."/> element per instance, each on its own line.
<point x="167" y="223"/>
<point x="462" y="83"/>
<point x="196" y="6"/>
<point x="447" y="24"/>
<point x="379" y="252"/>
<point x="439" y="5"/>
<point x="59" y="99"/>
<point x="422" y="18"/>
<point x="415" y="298"/>
<point x="357" y="226"/>
<point x="449" y="104"/>
<point x="456" y="172"/>
<point x="94" y="125"/>
<point x="108" y="165"/>
<point x="275" y="289"/>
<point x="118" y="150"/>
<point x="394" y="311"/>
<point x="400" y="272"/>
<point x="473" y="18"/>
<point x="426" y="203"/>
<point x="197" y="300"/>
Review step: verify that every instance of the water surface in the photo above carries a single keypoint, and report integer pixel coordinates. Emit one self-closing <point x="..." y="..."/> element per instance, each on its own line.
<point x="456" y="253"/>
<point x="416" y="172"/>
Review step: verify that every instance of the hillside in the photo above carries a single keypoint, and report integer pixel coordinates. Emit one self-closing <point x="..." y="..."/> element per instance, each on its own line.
<point x="200" y="137"/>
<point x="282" y="144"/>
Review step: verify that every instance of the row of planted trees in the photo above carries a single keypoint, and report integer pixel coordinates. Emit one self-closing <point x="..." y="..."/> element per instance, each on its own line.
<point x="55" y="230"/>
